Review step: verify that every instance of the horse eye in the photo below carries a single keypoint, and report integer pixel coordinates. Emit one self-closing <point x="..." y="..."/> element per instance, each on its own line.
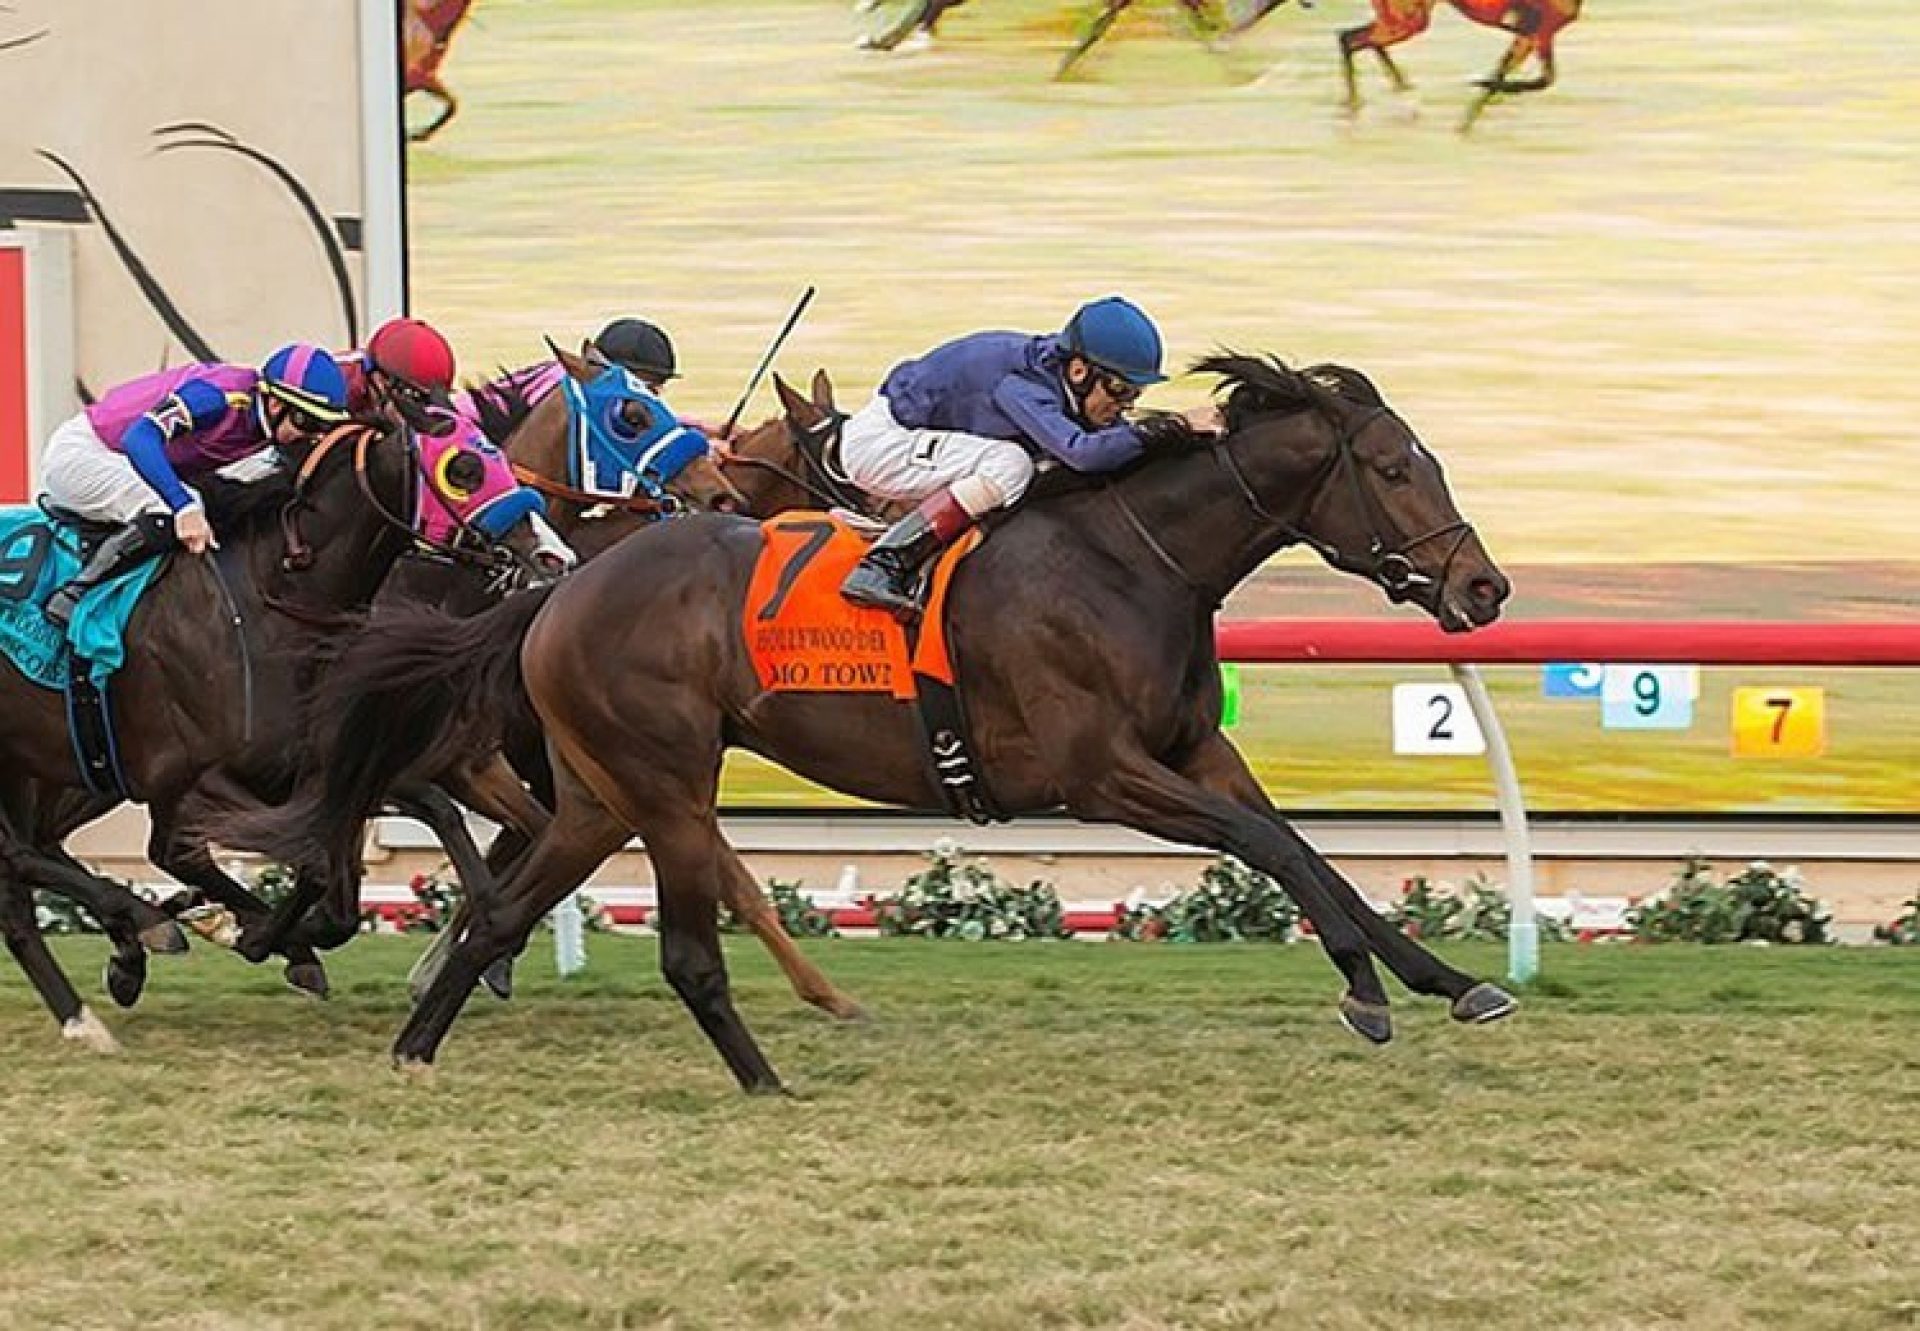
<point x="635" y="415"/>
<point x="465" y="472"/>
<point x="1396" y="474"/>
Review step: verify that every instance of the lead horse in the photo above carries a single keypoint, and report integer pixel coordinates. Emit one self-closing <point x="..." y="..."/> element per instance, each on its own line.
<point x="1084" y="640"/>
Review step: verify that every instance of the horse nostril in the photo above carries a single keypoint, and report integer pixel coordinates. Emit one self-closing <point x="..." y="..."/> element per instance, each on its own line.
<point x="1487" y="591"/>
<point x="726" y="504"/>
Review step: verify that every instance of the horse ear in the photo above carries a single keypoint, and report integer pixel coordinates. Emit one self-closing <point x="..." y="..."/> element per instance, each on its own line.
<point x="791" y="402"/>
<point x="574" y="365"/>
<point x="823" y="392"/>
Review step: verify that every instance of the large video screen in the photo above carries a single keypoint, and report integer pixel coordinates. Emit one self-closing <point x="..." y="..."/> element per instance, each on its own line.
<point x="1657" y="318"/>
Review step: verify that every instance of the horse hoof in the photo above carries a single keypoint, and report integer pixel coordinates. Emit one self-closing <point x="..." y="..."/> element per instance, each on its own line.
<point x="1484" y="1003"/>
<point x="413" y="1069"/>
<point x="126" y="977"/>
<point x="216" y="924"/>
<point x="1372" y="1022"/>
<point x="845" y="1010"/>
<point x="165" y="939"/>
<point x="499" y="979"/>
<point x="769" y="1090"/>
<point x="86" y="1029"/>
<point x="308" y="977"/>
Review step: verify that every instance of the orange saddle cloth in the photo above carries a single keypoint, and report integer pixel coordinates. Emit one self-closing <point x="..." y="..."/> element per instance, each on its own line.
<point x="804" y="637"/>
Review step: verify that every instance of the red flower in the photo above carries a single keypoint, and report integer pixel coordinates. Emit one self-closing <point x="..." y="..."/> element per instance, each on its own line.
<point x="418" y="883"/>
<point x="1586" y="936"/>
<point x="1413" y="928"/>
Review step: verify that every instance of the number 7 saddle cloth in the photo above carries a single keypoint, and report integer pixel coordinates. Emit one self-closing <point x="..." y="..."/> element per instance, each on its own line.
<point x="804" y="637"/>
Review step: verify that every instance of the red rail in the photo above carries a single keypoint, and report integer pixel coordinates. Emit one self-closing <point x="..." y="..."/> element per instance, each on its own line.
<point x="1707" y="642"/>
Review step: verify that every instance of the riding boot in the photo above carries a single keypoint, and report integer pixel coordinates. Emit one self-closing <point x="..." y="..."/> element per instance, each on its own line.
<point x="885" y="577"/>
<point x="147" y="535"/>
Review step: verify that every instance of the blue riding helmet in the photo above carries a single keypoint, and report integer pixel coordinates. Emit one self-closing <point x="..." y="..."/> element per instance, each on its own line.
<point x="307" y="379"/>
<point x="1116" y="335"/>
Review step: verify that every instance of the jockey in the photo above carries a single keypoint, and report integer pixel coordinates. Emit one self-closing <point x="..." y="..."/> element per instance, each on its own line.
<point x="123" y="459"/>
<point x="641" y="347"/>
<point x="957" y="431"/>
<point x="406" y="368"/>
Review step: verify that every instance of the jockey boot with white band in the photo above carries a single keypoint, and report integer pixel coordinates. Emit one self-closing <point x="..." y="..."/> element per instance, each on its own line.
<point x="885" y="576"/>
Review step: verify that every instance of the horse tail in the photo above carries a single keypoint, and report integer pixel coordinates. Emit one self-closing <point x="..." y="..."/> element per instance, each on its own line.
<point x="417" y="691"/>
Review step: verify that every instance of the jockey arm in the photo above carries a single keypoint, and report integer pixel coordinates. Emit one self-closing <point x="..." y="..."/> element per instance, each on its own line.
<point x="193" y="407"/>
<point x="1042" y="417"/>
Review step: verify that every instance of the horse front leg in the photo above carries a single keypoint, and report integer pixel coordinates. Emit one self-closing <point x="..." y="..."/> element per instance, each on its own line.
<point x="1497" y="82"/>
<point x="21" y="933"/>
<point x="190" y="860"/>
<point x="1218" y="766"/>
<point x="449" y="104"/>
<point x="134" y="925"/>
<point x="1139" y="792"/>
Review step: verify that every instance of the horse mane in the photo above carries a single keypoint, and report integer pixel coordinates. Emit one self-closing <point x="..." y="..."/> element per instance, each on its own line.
<point x="1254" y="386"/>
<point x="1266" y="385"/>
<point x="501" y="404"/>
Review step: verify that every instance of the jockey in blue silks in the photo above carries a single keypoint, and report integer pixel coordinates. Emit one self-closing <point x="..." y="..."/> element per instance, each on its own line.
<point x="958" y="430"/>
<point x="130" y="458"/>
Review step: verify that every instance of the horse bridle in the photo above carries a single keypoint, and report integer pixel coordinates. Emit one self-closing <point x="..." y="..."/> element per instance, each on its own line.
<point x="811" y="442"/>
<point x="297" y="555"/>
<point x="1389" y="569"/>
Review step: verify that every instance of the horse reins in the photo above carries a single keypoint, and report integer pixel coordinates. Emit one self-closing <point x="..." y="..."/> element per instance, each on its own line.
<point x="1389" y="569"/>
<point x="298" y="555"/>
<point x="640" y="505"/>
<point x="811" y="442"/>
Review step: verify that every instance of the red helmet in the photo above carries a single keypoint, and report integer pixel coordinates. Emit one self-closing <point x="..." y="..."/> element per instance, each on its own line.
<point x="412" y="351"/>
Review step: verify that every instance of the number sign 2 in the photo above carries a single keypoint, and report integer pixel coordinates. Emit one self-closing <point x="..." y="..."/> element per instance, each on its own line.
<point x="1434" y="719"/>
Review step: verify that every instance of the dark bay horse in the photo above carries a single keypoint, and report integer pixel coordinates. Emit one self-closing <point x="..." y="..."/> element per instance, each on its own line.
<point x="1533" y="24"/>
<point x="788" y="462"/>
<point x="1083" y="631"/>
<point x="206" y="705"/>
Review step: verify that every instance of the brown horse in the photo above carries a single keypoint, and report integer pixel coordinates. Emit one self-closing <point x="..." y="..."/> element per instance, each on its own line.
<point x="784" y="463"/>
<point x="1083" y="632"/>
<point x="206" y="704"/>
<point x="426" y="30"/>
<point x="1533" y="23"/>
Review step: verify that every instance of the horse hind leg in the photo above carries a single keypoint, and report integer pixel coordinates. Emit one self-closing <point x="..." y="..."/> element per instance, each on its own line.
<point x="749" y="904"/>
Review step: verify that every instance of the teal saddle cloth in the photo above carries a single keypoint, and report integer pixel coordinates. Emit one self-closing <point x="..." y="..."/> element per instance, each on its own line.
<point x="37" y="555"/>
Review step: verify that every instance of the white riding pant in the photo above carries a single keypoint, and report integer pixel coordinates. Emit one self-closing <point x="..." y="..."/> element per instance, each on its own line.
<point x="82" y="475"/>
<point x="885" y="458"/>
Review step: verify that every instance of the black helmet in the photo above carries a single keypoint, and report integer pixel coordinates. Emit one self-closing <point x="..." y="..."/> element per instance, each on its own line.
<point x="639" y="346"/>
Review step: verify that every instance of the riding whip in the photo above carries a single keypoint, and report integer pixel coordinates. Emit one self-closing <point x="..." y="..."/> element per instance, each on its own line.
<point x="766" y="361"/>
